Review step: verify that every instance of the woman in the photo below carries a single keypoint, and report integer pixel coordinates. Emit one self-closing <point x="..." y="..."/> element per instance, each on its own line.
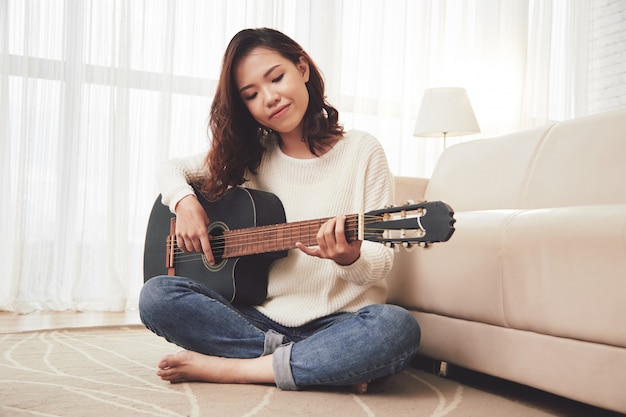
<point x="324" y="321"/>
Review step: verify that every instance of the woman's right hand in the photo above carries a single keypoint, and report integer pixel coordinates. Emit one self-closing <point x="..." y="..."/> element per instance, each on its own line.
<point x="192" y="224"/>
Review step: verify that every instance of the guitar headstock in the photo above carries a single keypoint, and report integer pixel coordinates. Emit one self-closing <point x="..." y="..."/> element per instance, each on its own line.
<point x="415" y="223"/>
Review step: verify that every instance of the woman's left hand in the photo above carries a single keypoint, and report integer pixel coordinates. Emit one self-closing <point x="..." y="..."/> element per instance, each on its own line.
<point x="332" y="243"/>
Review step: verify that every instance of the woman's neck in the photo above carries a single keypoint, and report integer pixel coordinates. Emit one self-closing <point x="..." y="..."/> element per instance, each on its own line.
<point x="299" y="148"/>
<point x="296" y="148"/>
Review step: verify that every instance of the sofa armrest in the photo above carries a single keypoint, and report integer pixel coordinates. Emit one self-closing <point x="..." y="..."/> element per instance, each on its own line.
<point x="410" y="188"/>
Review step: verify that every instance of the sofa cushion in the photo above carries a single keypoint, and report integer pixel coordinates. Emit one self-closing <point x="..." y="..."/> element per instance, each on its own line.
<point x="460" y="278"/>
<point x="565" y="272"/>
<point x="486" y="173"/>
<point x="580" y="162"/>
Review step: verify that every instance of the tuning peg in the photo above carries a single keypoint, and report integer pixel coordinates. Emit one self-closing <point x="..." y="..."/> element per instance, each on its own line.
<point x="409" y="202"/>
<point x="392" y="246"/>
<point x="409" y="247"/>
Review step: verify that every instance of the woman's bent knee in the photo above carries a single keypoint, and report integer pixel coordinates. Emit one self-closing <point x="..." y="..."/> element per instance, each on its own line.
<point x="154" y="299"/>
<point x="151" y="292"/>
<point x="399" y="325"/>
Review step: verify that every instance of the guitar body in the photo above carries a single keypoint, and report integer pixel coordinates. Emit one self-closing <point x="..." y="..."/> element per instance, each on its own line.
<point x="240" y="280"/>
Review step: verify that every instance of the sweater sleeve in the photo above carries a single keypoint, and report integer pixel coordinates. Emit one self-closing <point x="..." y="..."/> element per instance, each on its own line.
<point x="374" y="265"/>
<point x="376" y="259"/>
<point x="174" y="177"/>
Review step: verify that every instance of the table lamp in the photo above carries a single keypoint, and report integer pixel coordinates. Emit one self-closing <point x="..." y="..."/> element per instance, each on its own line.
<point x="446" y="111"/>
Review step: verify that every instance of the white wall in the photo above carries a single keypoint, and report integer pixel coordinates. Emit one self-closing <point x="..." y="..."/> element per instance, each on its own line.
<point x="607" y="77"/>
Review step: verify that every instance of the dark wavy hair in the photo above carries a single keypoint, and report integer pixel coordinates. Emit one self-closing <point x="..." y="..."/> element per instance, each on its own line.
<point x="236" y="137"/>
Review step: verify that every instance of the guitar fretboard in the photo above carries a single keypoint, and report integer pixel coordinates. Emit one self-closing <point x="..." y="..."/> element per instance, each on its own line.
<point x="278" y="237"/>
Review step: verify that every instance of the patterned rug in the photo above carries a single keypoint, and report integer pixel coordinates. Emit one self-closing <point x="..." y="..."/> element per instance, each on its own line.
<point x="111" y="372"/>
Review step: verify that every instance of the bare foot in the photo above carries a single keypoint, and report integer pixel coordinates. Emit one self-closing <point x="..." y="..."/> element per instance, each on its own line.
<point x="187" y="366"/>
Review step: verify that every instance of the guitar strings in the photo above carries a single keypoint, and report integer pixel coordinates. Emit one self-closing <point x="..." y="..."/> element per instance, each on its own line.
<point x="220" y="242"/>
<point x="182" y="256"/>
<point x="351" y="226"/>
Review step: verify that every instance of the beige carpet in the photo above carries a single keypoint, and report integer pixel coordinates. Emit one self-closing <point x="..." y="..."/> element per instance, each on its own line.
<point x="111" y="372"/>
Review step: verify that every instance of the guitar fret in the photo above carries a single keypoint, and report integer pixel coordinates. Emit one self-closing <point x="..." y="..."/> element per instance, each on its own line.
<point x="312" y="228"/>
<point x="310" y="233"/>
<point x="269" y="243"/>
<point x="264" y="240"/>
<point x="260" y="246"/>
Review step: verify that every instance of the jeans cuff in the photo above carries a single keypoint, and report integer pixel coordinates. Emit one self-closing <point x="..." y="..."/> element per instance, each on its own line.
<point x="273" y="339"/>
<point x="282" y="368"/>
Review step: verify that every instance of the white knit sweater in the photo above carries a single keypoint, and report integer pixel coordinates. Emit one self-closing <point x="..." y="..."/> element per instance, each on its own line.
<point x="352" y="177"/>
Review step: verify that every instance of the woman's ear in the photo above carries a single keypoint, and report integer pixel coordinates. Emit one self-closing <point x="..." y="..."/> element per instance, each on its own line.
<point x="303" y="67"/>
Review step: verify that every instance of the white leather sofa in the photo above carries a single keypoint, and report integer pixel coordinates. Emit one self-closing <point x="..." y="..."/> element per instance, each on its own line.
<point x="532" y="285"/>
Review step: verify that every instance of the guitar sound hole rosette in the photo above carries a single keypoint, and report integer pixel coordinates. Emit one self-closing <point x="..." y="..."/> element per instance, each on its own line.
<point x="216" y="232"/>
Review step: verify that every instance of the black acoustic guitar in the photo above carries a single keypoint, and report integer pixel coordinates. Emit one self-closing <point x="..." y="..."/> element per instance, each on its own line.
<point x="248" y="232"/>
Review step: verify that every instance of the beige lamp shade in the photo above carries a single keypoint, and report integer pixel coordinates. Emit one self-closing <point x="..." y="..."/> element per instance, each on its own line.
<point x="446" y="111"/>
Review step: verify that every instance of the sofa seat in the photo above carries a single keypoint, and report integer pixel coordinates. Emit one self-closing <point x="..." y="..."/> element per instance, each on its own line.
<point x="532" y="285"/>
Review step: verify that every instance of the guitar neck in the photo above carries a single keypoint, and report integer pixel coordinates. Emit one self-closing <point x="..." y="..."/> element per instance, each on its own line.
<point x="278" y="237"/>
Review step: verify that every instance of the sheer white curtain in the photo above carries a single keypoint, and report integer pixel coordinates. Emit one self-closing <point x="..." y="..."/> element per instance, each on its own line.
<point x="94" y="95"/>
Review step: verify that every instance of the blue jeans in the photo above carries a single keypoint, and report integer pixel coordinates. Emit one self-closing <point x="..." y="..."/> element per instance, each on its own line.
<point x="340" y="349"/>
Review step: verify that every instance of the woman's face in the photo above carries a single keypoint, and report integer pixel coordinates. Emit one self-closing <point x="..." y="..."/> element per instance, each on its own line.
<point x="274" y="90"/>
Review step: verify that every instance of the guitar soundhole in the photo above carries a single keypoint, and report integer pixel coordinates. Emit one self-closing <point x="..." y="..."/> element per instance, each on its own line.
<point x="216" y="230"/>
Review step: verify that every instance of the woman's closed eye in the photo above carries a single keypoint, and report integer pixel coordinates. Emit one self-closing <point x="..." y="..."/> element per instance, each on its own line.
<point x="252" y="96"/>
